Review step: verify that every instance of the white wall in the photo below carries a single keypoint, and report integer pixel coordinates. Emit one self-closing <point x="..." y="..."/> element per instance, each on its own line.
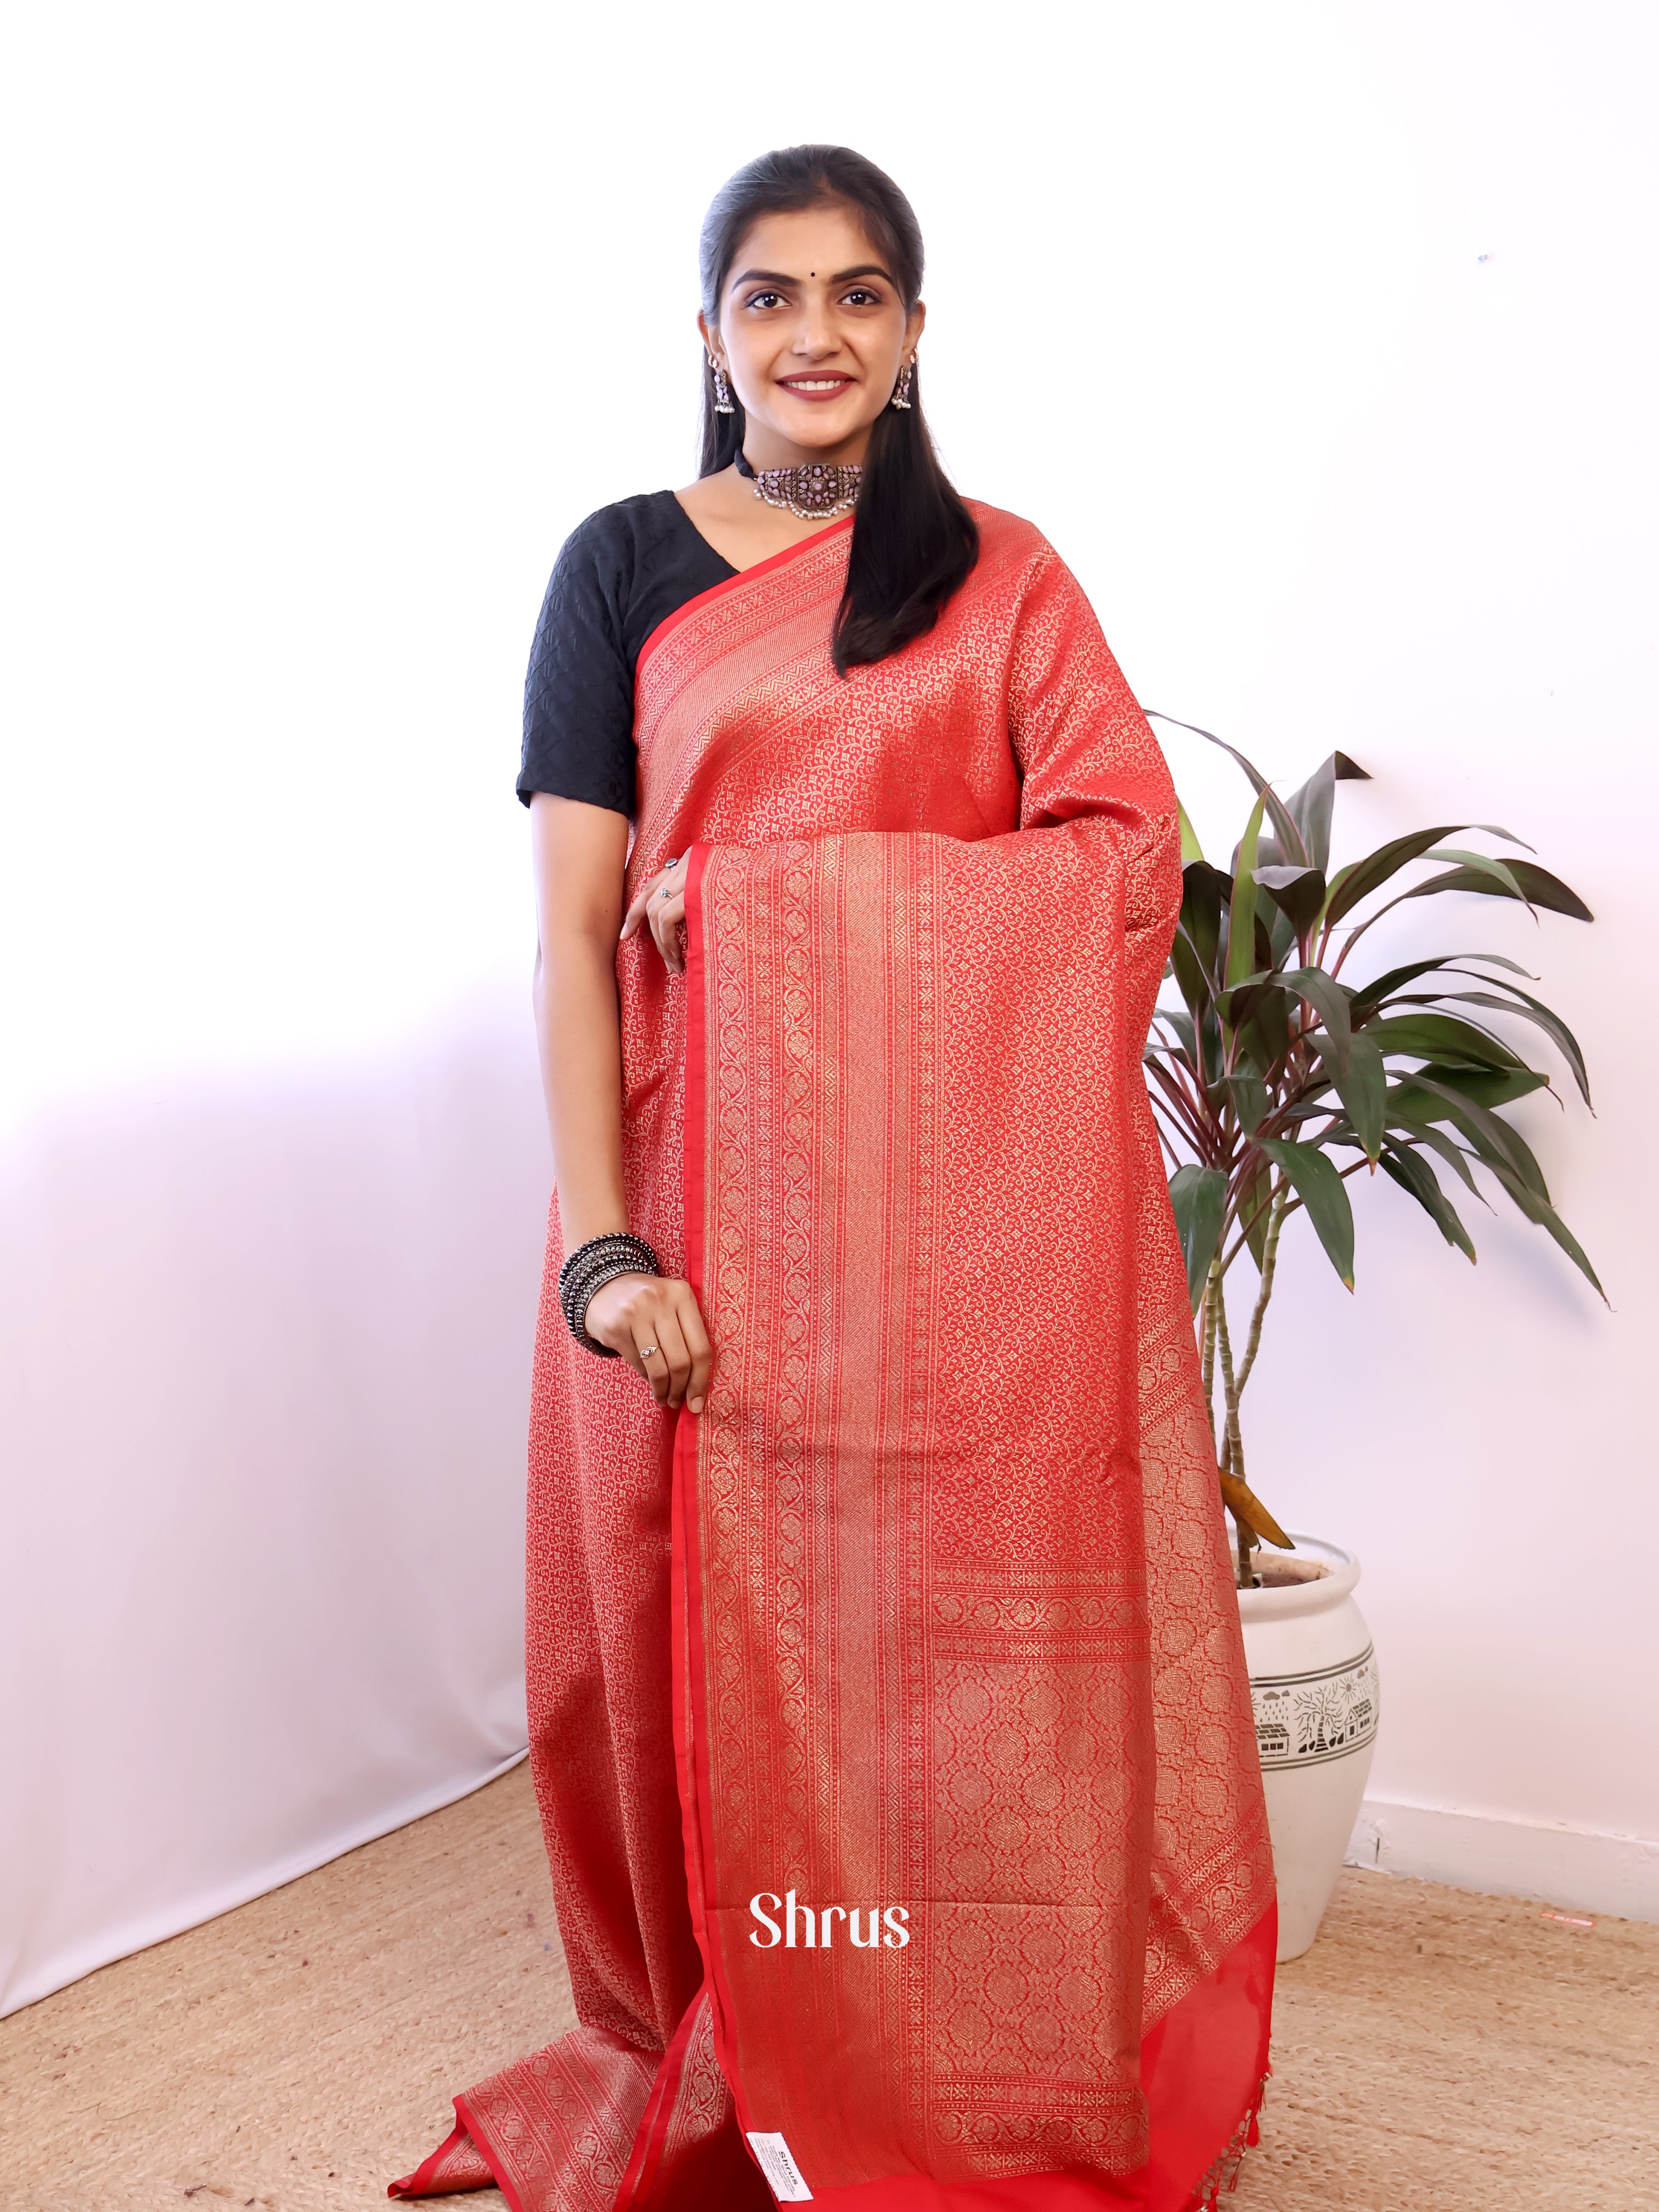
<point x="337" y="319"/>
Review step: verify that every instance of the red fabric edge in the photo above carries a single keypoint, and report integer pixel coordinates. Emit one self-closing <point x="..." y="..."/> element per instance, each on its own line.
<point x="416" y="2184"/>
<point x="652" y="2138"/>
<point x="465" y="2116"/>
<point x="1172" y="2153"/>
<point x="691" y="1728"/>
<point x="696" y="860"/>
<point x="744" y="575"/>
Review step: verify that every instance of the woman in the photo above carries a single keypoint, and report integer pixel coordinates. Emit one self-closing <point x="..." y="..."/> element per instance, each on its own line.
<point x="889" y="1715"/>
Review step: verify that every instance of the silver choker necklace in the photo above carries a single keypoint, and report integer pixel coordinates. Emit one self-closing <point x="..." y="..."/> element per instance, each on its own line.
<point x="812" y="489"/>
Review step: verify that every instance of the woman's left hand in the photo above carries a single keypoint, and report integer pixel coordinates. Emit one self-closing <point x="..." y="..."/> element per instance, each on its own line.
<point x="662" y="903"/>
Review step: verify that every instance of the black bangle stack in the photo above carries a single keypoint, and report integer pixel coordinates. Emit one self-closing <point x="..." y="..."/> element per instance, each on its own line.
<point x="589" y="1268"/>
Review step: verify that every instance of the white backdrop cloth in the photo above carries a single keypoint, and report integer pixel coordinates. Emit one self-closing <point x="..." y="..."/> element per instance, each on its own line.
<point x="263" y="1425"/>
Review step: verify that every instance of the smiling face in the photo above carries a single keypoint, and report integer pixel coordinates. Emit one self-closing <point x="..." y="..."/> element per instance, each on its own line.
<point x="812" y="333"/>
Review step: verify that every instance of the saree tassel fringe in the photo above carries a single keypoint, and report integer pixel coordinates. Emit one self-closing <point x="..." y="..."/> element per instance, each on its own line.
<point x="1222" y="2177"/>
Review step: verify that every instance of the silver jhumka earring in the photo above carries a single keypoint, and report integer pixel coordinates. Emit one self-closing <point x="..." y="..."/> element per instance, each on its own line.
<point x="723" y="390"/>
<point x="901" y="389"/>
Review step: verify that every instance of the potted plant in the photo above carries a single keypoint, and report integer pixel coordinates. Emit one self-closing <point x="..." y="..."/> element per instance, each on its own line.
<point x="1278" y="1076"/>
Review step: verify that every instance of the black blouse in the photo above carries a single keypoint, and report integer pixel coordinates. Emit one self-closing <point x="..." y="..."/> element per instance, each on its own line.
<point x="619" y="574"/>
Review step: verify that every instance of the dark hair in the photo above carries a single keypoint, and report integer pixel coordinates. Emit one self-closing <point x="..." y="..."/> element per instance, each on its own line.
<point x="914" y="542"/>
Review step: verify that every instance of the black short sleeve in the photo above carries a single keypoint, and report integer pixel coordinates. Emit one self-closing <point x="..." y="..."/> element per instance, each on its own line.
<point x="619" y="574"/>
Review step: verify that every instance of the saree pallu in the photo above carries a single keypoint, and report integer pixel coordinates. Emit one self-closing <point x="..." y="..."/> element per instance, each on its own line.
<point x="890" y="1722"/>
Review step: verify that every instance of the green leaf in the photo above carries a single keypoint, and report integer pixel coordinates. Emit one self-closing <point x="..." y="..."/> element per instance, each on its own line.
<point x="1309" y="808"/>
<point x="1500" y="1087"/>
<point x="1416" y="1176"/>
<point x="1209" y="1036"/>
<point x="1492" y="1138"/>
<point x="1235" y="1003"/>
<point x="1282" y="936"/>
<point x="1540" y="1210"/>
<point x="1362" y="878"/>
<point x="1441" y="1037"/>
<point x="1190" y="848"/>
<point x="1199" y="1196"/>
<point x="1265" y="916"/>
<point x="1436" y="1140"/>
<point x="1326" y="996"/>
<point x="1538" y="887"/>
<point x="1189" y="972"/>
<point x="1318" y="1185"/>
<point x="1362" y="1084"/>
<point x="1203" y="892"/>
<point x="1265" y="1031"/>
<point x="1249" y="1097"/>
<point x="1371" y="995"/>
<point x="1240" y="925"/>
<point x="1482" y="864"/>
<point x="1299" y="893"/>
<point x="1253" y="1199"/>
<point x="1284" y="828"/>
<point x="1182" y="1026"/>
<point x="1534" y="1010"/>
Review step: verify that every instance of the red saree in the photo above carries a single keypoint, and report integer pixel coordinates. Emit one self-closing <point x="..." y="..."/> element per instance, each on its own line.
<point x="919" y="1650"/>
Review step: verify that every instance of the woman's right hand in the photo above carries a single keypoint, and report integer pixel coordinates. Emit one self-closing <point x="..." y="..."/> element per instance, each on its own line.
<point x="659" y="906"/>
<point x="654" y="1322"/>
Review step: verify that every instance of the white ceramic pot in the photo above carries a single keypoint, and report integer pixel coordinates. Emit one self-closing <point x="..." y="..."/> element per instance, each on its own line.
<point x="1313" y="1683"/>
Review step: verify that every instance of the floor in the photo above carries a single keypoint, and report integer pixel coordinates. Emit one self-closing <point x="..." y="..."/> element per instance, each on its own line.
<point x="1435" y="2051"/>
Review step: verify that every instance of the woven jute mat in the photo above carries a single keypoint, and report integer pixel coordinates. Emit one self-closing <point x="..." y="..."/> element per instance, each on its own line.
<point x="1435" y="2051"/>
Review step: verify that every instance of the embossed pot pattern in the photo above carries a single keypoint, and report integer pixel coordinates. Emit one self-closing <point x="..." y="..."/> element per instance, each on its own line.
<point x="1314" y="1686"/>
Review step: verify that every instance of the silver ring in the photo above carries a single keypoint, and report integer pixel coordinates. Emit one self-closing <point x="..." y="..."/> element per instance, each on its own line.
<point x="648" y="1351"/>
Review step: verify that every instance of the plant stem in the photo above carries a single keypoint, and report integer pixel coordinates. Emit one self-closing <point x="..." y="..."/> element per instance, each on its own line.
<point x="1233" y="1456"/>
<point x="1269" y="1261"/>
<point x="1212" y="1307"/>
